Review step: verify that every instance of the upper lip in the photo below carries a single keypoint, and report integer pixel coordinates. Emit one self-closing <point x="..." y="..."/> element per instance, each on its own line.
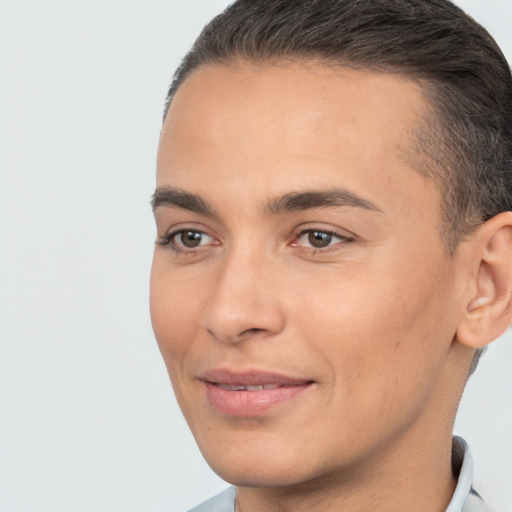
<point x="251" y="378"/>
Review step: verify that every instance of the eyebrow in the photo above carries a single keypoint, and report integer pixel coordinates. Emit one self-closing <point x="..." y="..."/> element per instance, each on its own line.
<point x="169" y="196"/>
<point x="291" y="202"/>
<point x="337" y="197"/>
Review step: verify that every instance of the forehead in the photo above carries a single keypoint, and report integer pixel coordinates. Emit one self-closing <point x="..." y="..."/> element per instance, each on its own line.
<point x="281" y="125"/>
<point x="296" y="88"/>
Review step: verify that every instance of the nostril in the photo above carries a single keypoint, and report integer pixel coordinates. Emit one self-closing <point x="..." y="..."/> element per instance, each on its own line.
<point x="245" y="334"/>
<point x="251" y="332"/>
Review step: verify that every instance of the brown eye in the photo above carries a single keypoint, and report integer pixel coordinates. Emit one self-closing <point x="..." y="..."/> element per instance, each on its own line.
<point x="319" y="239"/>
<point x="190" y="239"/>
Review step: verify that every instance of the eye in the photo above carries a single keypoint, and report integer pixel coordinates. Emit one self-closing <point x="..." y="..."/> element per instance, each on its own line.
<point x="190" y="239"/>
<point x="319" y="239"/>
<point x="185" y="240"/>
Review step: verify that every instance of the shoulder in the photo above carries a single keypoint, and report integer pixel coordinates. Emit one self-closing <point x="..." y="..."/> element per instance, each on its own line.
<point x="223" y="502"/>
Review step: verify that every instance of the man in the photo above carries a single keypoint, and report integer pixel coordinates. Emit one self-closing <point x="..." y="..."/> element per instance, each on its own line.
<point x="334" y="249"/>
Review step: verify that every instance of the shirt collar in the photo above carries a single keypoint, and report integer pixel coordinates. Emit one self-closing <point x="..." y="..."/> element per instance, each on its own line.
<point x="465" y="498"/>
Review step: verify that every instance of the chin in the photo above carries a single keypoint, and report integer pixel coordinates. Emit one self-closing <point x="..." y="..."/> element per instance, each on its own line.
<point x="261" y="465"/>
<point x="263" y="476"/>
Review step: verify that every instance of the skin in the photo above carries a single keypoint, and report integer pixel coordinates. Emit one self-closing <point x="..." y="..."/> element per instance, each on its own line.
<point x="371" y="318"/>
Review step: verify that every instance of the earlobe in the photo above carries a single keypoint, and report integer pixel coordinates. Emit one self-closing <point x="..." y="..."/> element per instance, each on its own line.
<point x="488" y="310"/>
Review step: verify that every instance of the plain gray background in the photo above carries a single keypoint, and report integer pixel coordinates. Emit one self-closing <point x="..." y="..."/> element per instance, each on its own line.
<point x="87" y="418"/>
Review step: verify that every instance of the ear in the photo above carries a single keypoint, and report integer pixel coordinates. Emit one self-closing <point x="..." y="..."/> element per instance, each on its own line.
<point x="488" y="305"/>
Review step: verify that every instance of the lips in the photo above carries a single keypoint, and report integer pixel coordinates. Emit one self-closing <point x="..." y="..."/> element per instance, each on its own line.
<point x="251" y="393"/>
<point x="248" y="388"/>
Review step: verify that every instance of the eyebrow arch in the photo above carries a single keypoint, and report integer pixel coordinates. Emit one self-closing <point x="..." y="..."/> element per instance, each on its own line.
<point x="169" y="196"/>
<point x="296" y="201"/>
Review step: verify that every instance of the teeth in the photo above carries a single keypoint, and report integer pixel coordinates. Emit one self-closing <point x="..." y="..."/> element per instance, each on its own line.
<point x="248" y="388"/>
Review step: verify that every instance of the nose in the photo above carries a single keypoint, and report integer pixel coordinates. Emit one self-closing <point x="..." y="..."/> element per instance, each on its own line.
<point x="245" y="301"/>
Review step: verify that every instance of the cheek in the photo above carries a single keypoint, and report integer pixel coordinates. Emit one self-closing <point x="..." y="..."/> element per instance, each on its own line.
<point x="382" y="337"/>
<point x="175" y="314"/>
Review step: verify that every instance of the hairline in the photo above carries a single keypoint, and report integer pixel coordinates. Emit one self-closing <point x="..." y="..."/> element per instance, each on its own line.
<point x="429" y="125"/>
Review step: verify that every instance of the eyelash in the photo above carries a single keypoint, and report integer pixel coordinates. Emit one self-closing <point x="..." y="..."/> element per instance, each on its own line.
<point x="342" y="239"/>
<point x="169" y="241"/>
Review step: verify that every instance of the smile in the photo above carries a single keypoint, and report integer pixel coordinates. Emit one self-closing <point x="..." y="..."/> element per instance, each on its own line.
<point x="248" y="388"/>
<point x="250" y="394"/>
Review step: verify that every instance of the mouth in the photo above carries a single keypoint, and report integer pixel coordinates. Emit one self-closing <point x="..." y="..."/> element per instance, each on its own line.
<point x="261" y="387"/>
<point x="252" y="393"/>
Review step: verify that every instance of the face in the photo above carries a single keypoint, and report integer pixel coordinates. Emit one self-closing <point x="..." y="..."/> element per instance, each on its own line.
<point x="301" y="294"/>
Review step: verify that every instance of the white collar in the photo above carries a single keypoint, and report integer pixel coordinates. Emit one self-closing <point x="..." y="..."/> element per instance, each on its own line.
<point x="465" y="498"/>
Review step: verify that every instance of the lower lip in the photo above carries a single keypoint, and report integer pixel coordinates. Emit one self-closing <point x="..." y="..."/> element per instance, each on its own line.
<point x="250" y="403"/>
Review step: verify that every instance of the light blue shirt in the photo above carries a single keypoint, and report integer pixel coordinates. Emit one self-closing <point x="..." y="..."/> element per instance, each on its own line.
<point x="464" y="499"/>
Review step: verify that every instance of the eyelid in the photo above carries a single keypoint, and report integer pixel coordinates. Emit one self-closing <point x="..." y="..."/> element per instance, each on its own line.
<point x="341" y="239"/>
<point x="332" y="230"/>
<point x="167" y="240"/>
